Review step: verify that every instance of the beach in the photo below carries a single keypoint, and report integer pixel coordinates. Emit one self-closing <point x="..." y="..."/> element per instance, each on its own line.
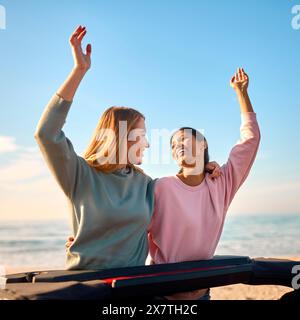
<point x="245" y="292"/>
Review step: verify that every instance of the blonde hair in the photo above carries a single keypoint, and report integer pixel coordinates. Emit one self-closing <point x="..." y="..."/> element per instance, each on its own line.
<point x="103" y="143"/>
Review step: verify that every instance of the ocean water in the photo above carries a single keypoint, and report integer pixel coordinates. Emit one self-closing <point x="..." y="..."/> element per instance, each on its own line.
<point x="261" y="236"/>
<point x="42" y="243"/>
<point x="34" y="243"/>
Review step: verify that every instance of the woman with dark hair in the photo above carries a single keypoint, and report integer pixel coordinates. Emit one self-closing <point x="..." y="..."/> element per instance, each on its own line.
<point x="198" y="136"/>
<point x="190" y="208"/>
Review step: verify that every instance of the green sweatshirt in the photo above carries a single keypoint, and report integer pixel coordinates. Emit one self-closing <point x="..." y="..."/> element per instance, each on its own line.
<point x="110" y="212"/>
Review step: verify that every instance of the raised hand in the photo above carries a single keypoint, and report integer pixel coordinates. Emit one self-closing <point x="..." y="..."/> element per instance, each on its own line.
<point x="82" y="61"/>
<point x="240" y="81"/>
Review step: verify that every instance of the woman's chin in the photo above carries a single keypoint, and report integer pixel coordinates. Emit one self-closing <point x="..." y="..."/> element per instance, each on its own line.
<point x="137" y="161"/>
<point x="186" y="162"/>
<point x="182" y="162"/>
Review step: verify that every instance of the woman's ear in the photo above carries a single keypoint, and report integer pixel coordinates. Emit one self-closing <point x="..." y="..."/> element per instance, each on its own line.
<point x="203" y="144"/>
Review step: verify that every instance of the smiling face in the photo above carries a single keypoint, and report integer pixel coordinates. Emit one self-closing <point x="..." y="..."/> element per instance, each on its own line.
<point x="137" y="143"/>
<point x="187" y="150"/>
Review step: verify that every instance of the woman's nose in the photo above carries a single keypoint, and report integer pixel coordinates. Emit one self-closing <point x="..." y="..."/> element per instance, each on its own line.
<point x="147" y="144"/>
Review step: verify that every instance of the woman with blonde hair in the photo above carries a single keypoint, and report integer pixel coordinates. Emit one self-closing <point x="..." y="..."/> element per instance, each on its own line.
<point x="110" y="199"/>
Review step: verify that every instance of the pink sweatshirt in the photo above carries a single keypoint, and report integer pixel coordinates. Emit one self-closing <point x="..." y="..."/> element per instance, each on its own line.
<point x="187" y="222"/>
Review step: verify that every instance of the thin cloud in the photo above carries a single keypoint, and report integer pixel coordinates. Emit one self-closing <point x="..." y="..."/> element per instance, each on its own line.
<point x="7" y="144"/>
<point x="27" y="189"/>
<point x="25" y="164"/>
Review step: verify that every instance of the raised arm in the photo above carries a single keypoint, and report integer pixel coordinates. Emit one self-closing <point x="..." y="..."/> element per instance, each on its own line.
<point x="243" y="154"/>
<point x="56" y="148"/>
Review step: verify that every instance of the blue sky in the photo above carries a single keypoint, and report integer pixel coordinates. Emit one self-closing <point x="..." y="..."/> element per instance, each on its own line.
<point x="172" y="60"/>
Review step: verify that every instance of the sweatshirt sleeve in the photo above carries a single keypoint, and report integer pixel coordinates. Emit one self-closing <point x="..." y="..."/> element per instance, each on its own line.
<point x="241" y="157"/>
<point x="56" y="148"/>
